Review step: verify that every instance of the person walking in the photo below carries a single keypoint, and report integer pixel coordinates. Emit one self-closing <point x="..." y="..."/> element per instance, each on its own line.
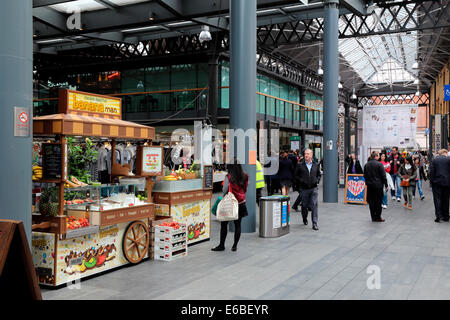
<point x="307" y="176"/>
<point x="421" y="176"/>
<point x="354" y="167"/>
<point x="395" y="160"/>
<point x="408" y="174"/>
<point x="259" y="181"/>
<point x="285" y="173"/>
<point x="440" y="184"/>
<point x="270" y="171"/>
<point x="375" y="177"/>
<point x="387" y="168"/>
<point x="236" y="181"/>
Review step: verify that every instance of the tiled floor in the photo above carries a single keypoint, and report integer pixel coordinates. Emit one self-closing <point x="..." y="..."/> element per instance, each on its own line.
<point x="411" y="250"/>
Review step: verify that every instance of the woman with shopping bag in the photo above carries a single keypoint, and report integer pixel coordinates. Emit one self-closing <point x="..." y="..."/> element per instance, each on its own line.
<point x="232" y="207"/>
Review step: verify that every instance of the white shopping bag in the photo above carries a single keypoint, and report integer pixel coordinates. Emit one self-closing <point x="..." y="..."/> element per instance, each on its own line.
<point x="228" y="208"/>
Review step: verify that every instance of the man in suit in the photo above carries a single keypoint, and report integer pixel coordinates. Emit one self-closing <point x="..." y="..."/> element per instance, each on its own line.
<point x="307" y="175"/>
<point x="440" y="184"/>
<point x="375" y="176"/>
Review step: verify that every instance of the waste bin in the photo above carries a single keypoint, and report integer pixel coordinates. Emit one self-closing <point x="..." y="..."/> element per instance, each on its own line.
<point x="274" y="216"/>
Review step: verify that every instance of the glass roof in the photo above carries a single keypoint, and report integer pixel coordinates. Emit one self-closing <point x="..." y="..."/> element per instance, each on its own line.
<point x="384" y="58"/>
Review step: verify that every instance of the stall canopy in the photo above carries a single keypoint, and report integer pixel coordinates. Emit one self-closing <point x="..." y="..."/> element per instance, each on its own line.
<point x="86" y="114"/>
<point x="71" y="124"/>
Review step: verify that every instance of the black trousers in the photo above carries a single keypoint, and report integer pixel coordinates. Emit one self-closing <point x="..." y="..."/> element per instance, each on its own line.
<point x="375" y="199"/>
<point x="441" y="201"/>
<point x="224" y="231"/>
<point x="258" y="195"/>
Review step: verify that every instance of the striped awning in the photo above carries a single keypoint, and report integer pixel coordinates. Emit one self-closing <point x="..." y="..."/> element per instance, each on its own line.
<point x="76" y="125"/>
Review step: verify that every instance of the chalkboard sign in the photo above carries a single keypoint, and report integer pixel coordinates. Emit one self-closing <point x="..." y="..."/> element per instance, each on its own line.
<point x="208" y="177"/>
<point x="18" y="279"/>
<point x="355" y="189"/>
<point x="52" y="161"/>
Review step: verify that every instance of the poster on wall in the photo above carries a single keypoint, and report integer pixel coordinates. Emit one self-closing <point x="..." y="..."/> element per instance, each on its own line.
<point x="341" y="151"/>
<point x="196" y="215"/>
<point x="393" y="125"/>
<point x="355" y="189"/>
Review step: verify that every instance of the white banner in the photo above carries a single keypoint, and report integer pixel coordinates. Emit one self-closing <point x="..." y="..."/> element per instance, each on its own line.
<point x="390" y="125"/>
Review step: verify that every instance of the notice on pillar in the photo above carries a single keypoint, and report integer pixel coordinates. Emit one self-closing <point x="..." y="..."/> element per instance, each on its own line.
<point x="22" y="119"/>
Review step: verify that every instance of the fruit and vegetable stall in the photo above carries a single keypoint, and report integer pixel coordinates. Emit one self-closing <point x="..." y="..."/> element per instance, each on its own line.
<point x="86" y="222"/>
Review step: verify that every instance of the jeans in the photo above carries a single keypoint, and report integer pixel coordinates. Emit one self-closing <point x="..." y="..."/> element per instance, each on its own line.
<point x="396" y="181"/>
<point x="407" y="194"/>
<point x="385" y="198"/>
<point x="419" y="186"/>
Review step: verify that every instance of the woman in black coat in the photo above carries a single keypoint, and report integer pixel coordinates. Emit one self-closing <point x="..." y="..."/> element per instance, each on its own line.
<point x="354" y="167"/>
<point x="285" y="173"/>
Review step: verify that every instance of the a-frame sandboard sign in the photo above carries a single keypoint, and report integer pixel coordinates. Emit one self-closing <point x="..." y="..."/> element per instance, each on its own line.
<point x="17" y="275"/>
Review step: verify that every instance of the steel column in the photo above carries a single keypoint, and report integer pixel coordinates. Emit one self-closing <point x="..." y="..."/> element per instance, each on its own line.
<point x="213" y="88"/>
<point x="330" y="120"/>
<point x="16" y="80"/>
<point x="242" y="90"/>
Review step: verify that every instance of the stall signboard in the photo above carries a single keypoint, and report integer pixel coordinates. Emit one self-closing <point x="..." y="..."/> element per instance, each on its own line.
<point x="89" y="104"/>
<point x="341" y="151"/>
<point x="208" y="177"/>
<point x="150" y="161"/>
<point x="447" y="92"/>
<point x="197" y="217"/>
<point x="355" y="189"/>
<point x="52" y="161"/>
<point x="43" y="250"/>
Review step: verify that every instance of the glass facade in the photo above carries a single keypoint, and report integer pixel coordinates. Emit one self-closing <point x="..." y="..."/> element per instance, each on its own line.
<point x="178" y="88"/>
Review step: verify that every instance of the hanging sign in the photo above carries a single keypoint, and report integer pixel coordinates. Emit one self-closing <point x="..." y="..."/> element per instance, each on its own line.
<point x="89" y="104"/>
<point x="149" y="161"/>
<point x="355" y="189"/>
<point x="447" y="92"/>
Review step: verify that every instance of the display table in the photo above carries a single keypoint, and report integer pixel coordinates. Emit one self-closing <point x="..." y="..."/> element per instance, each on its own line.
<point x="187" y="203"/>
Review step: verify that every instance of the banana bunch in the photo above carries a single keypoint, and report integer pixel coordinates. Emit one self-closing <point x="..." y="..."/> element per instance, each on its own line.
<point x="37" y="173"/>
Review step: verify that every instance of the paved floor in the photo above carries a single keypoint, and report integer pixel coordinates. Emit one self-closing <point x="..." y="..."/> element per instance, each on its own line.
<point x="411" y="250"/>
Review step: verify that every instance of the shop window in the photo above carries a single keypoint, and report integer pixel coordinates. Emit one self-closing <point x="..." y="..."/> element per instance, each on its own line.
<point x="158" y="79"/>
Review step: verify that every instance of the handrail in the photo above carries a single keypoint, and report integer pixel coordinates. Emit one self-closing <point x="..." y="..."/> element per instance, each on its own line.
<point x="191" y="89"/>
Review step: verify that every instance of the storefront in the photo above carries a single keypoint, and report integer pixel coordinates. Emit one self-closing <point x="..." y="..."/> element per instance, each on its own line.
<point x="93" y="175"/>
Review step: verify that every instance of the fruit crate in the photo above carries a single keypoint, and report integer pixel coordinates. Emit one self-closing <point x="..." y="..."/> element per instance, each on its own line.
<point x="169" y="247"/>
<point x="173" y="240"/>
<point x="163" y="232"/>
<point x="169" y="256"/>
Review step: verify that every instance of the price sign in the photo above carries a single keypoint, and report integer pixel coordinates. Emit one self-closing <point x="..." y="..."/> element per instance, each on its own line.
<point x="52" y="161"/>
<point x="208" y="177"/>
<point x="150" y="161"/>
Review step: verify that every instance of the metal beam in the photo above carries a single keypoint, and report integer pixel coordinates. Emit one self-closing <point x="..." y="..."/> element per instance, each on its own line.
<point x="44" y="3"/>
<point x="357" y="7"/>
<point x="108" y="4"/>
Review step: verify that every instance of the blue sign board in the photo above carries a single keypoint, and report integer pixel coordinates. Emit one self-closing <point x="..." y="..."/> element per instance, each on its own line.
<point x="284" y="213"/>
<point x="355" y="189"/>
<point x="447" y="92"/>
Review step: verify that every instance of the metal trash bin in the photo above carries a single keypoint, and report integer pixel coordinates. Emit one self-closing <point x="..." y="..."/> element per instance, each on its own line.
<point x="274" y="216"/>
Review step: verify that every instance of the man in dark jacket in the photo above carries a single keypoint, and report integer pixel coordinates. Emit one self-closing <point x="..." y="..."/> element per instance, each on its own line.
<point x="440" y="184"/>
<point x="395" y="160"/>
<point x="375" y="176"/>
<point x="307" y="176"/>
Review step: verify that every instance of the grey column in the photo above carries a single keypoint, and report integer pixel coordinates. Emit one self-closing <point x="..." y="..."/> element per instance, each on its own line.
<point x="213" y="88"/>
<point x="16" y="81"/>
<point x="243" y="89"/>
<point x="330" y="114"/>
<point x="303" y="102"/>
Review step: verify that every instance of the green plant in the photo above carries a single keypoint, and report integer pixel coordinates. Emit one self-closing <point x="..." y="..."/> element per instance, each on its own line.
<point x="80" y="157"/>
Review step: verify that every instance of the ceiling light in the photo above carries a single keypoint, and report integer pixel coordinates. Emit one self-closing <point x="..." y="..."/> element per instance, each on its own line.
<point x="418" y="91"/>
<point x="205" y="35"/>
<point x="320" y="70"/>
<point x="353" y="97"/>
<point x="416" y="81"/>
<point x="415" y="65"/>
<point x="151" y="15"/>
<point x="340" y="84"/>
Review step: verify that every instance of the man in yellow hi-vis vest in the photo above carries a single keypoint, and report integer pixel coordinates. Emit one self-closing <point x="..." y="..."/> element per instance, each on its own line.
<point x="259" y="181"/>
